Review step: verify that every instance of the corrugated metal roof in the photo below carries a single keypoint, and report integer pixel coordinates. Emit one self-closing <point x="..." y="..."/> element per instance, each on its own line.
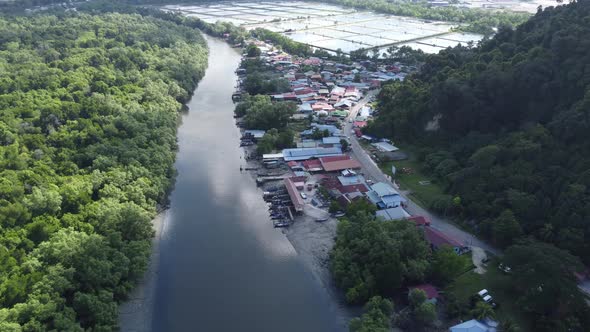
<point x="350" y="180"/>
<point x="338" y="165"/>
<point x="393" y="213"/>
<point x="308" y="153"/>
<point x="331" y="140"/>
<point x="383" y="189"/>
<point x="294" y="194"/>
<point x="385" y="147"/>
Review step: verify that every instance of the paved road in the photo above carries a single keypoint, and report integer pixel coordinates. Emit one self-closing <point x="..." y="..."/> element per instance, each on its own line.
<point x="373" y="172"/>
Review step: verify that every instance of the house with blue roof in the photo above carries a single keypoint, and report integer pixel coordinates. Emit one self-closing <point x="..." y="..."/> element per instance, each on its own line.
<point x="309" y="153"/>
<point x="473" y="325"/>
<point x="384" y="196"/>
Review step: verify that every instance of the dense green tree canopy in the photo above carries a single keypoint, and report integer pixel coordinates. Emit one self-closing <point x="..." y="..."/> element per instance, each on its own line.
<point x="87" y="143"/>
<point x="504" y="127"/>
<point x="377" y="316"/>
<point x="373" y="257"/>
<point x="544" y="284"/>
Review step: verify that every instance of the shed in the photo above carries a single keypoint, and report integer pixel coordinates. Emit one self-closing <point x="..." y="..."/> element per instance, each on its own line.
<point x="298" y="202"/>
<point x="395" y="213"/>
<point x="384" y="146"/>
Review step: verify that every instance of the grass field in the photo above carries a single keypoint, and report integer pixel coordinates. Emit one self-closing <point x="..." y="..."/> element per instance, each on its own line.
<point x="496" y="282"/>
<point x="423" y="194"/>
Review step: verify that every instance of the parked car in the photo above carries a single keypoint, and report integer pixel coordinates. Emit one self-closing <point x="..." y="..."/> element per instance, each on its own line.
<point x="303" y="195"/>
<point x="505" y="268"/>
<point x="486" y="297"/>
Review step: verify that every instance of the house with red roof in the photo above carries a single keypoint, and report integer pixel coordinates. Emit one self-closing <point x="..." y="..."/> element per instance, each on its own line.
<point x="432" y="294"/>
<point x="437" y="239"/>
<point x="339" y="163"/>
<point x="312" y="165"/>
<point x="419" y="220"/>
<point x="360" y="124"/>
<point x="293" y="191"/>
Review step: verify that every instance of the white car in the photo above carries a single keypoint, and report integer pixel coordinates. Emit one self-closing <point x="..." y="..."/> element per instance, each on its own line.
<point x="303" y="195"/>
<point x="486" y="297"/>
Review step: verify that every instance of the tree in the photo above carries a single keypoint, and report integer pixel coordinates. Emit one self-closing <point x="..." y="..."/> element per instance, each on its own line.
<point x="334" y="207"/>
<point x="425" y="313"/>
<point x="253" y="51"/>
<point x="505" y="228"/>
<point x="446" y="264"/>
<point x="509" y="326"/>
<point x="345" y="145"/>
<point x="542" y="279"/>
<point x="373" y="257"/>
<point x="483" y="310"/>
<point x="87" y="145"/>
<point x="416" y="297"/>
<point x="376" y="317"/>
<point x="360" y="206"/>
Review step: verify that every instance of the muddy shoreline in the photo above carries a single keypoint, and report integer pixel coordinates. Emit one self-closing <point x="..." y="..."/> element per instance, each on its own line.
<point x="135" y="315"/>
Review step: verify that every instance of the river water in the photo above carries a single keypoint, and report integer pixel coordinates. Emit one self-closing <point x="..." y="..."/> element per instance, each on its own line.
<point x="222" y="266"/>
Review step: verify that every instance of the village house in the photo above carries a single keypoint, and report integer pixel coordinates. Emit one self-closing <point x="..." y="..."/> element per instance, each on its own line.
<point x="431" y="292"/>
<point x="384" y="196"/>
<point x="437" y="239"/>
<point x="473" y="325"/>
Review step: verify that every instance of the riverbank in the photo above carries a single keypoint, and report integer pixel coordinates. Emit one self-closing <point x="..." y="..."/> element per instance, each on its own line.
<point x="135" y="315"/>
<point x="313" y="241"/>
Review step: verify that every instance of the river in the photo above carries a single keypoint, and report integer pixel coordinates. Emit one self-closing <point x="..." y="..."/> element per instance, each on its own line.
<point x="222" y="266"/>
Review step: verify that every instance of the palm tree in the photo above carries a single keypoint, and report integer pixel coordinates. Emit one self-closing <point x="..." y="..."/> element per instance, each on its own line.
<point x="509" y="326"/>
<point x="483" y="310"/>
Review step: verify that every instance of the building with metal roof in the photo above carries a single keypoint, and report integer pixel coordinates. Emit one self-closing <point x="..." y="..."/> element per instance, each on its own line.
<point x="309" y="153"/>
<point x="296" y="199"/>
<point x="351" y="180"/>
<point x="384" y="196"/>
<point x="395" y="213"/>
<point x="384" y="146"/>
<point x="475" y="326"/>
<point x="331" y="140"/>
<point x="339" y="163"/>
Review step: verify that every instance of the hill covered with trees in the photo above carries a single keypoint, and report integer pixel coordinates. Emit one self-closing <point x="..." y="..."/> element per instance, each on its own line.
<point x="505" y="126"/>
<point x="87" y="144"/>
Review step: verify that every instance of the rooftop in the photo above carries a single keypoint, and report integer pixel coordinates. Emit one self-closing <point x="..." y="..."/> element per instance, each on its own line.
<point x="383" y="189"/>
<point x="419" y="220"/>
<point x="298" y="202"/>
<point x="475" y="326"/>
<point x="308" y="153"/>
<point x="395" y="213"/>
<point x="430" y="290"/>
<point x="437" y="238"/>
<point x="338" y="163"/>
<point x="385" y="147"/>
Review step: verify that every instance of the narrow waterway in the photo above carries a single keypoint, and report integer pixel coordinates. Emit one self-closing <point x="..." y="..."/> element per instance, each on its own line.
<point x="222" y="266"/>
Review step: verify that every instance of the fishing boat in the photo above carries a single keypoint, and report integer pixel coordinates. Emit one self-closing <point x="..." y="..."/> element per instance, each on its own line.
<point x="281" y="224"/>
